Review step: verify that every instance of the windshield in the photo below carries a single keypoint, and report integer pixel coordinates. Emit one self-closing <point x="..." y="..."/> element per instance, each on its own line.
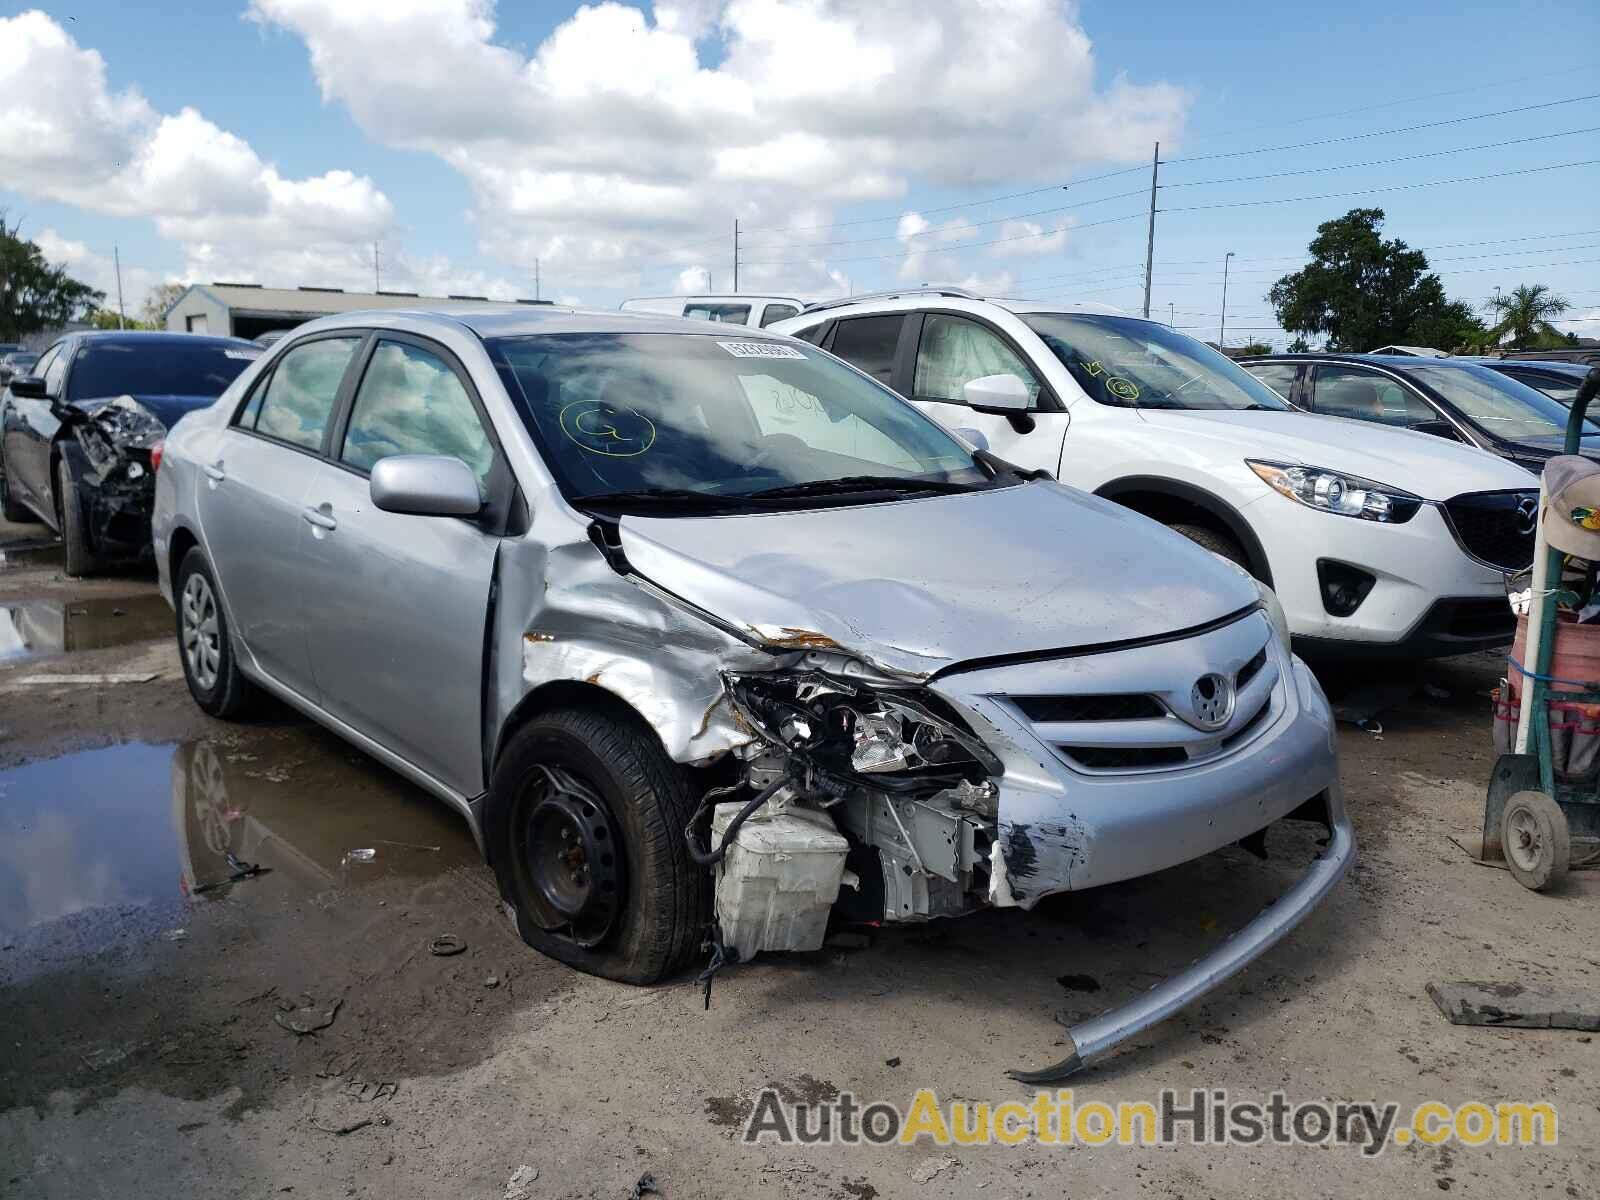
<point x="678" y="418"/>
<point x="165" y="367"/>
<point x="1129" y="363"/>
<point x="1499" y="404"/>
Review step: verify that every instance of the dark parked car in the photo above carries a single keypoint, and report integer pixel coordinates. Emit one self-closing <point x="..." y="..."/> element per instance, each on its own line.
<point x="17" y="362"/>
<point x="1558" y="380"/>
<point x="1453" y="398"/>
<point x="80" y="436"/>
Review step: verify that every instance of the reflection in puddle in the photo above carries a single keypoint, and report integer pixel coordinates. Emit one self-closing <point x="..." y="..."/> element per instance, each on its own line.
<point x="34" y="628"/>
<point x="135" y="824"/>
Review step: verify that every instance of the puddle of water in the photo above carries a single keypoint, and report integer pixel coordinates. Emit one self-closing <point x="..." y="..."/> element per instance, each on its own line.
<point x="36" y="628"/>
<point x="140" y="824"/>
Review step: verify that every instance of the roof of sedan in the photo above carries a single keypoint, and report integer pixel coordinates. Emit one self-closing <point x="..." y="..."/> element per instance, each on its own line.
<point x="515" y="320"/>
<point x="157" y="337"/>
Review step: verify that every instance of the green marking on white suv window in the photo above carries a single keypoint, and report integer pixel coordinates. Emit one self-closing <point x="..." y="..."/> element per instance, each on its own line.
<point x="1122" y="389"/>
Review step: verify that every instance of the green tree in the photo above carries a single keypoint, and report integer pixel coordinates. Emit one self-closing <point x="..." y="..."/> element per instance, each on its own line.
<point x="1255" y="348"/>
<point x="1525" y="315"/>
<point x="1453" y="327"/>
<point x="35" y="296"/>
<point x="163" y="296"/>
<point x="109" y="318"/>
<point x="1360" y="291"/>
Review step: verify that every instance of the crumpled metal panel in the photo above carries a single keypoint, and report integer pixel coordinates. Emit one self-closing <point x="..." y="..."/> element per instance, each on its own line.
<point x="907" y="587"/>
<point x="564" y="614"/>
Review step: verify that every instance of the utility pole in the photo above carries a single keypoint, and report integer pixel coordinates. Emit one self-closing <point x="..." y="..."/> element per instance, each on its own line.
<point x="1172" y="314"/>
<point x="377" y="279"/>
<point x="536" y="295"/>
<point x="122" y="317"/>
<point x="1150" y="235"/>
<point x="736" y="256"/>
<point x="1222" y="331"/>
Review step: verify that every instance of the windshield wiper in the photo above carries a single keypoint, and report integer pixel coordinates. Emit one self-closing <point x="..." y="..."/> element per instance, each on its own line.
<point x="664" y="498"/>
<point x="856" y="484"/>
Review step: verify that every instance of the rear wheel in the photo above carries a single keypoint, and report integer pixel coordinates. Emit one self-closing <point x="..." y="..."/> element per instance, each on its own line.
<point x="78" y="559"/>
<point x="209" y="666"/>
<point x="584" y="828"/>
<point x="1221" y="544"/>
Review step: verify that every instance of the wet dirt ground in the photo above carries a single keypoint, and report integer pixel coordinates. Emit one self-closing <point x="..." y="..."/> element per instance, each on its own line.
<point x="148" y="1006"/>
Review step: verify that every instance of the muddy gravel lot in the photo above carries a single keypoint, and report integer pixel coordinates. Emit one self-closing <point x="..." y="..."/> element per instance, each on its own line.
<point x="164" y="1031"/>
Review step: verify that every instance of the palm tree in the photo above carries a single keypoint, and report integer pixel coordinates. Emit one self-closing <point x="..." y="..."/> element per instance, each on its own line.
<point x="1525" y="314"/>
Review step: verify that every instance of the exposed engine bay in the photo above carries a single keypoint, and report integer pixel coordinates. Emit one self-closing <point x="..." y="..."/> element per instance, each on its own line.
<point x="904" y="787"/>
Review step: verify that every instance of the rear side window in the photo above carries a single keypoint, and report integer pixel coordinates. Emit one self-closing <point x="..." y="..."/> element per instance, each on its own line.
<point x="778" y="312"/>
<point x="411" y="402"/>
<point x="299" y="397"/>
<point x="814" y="334"/>
<point x="869" y="343"/>
<point x="955" y="351"/>
<point x="1562" y="389"/>
<point x="1277" y="376"/>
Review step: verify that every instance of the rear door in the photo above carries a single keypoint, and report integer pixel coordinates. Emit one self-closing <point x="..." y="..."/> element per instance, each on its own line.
<point x="954" y="349"/>
<point x="397" y="631"/>
<point x="253" y="502"/>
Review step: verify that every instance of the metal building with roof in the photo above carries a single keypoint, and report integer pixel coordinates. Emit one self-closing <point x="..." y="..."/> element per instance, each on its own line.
<point x="248" y="310"/>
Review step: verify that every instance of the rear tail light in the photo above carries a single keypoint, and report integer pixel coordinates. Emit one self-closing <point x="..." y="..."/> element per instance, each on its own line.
<point x="155" y="455"/>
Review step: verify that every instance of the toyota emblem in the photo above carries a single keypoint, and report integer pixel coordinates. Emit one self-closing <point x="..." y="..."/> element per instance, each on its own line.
<point x="1528" y="511"/>
<point x="1211" y="698"/>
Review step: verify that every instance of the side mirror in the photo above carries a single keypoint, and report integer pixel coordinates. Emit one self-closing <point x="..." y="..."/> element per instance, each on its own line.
<point x="425" y="485"/>
<point x="1438" y="429"/>
<point x="973" y="437"/>
<point x="997" y="394"/>
<point x="28" y="387"/>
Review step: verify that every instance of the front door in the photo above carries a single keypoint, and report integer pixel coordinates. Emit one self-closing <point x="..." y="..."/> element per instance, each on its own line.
<point x="397" y="632"/>
<point x="952" y="352"/>
<point x="252" y="504"/>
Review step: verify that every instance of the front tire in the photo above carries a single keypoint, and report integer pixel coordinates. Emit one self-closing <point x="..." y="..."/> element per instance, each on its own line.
<point x="78" y="559"/>
<point x="584" y="829"/>
<point x="209" y="666"/>
<point x="9" y="509"/>
<point x="1214" y="540"/>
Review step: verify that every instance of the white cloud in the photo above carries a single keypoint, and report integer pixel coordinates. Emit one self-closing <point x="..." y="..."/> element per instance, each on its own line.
<point x="693" y="279"/>
<point x="1585" y="322"/>
<point x="921" y="238"/>
<point x="1030" y="239"/>
<point x="66" y="136"/>
<point x="617" y="145"/>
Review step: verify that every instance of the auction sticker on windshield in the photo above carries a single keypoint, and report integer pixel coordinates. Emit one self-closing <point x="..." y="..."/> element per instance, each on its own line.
<point x="761" y="350"/>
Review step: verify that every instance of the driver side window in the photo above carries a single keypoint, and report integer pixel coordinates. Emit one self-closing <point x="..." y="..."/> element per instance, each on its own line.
<point x="955" y="351"/>
<point x="1367" y="396"/>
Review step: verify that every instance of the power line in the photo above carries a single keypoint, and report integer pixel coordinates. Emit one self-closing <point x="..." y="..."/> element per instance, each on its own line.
<point x="1396" y="187"/>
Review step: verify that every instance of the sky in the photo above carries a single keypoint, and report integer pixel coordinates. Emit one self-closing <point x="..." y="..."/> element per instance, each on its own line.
<point x="595" y="152"/>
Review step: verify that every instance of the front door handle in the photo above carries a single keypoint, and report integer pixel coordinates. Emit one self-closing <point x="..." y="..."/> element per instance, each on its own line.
<point x="320" y="519"/>
<point x="214" y="472"/>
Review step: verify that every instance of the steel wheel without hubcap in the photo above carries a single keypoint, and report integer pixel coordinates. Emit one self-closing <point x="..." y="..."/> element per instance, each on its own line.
<point x="201" y="641"/>
<point x="573" y="856"/>
<point x="1533" y="832"/>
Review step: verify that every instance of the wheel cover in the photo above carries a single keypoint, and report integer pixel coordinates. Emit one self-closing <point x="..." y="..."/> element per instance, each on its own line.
<point x="1524" y="844"/>
<point x="202" y="643"/>
<point x="573" y="857"/>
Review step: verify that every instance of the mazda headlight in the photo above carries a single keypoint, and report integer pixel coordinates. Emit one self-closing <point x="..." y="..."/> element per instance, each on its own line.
<point x="1335" y="492"/>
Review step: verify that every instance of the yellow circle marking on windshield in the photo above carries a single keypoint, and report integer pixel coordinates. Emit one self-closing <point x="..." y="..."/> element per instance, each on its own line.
<point x="604" y="429"/>
<point x="1122" y="389"/>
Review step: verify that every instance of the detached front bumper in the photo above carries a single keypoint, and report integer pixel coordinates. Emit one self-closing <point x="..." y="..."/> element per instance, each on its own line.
<point x="1098" y="1035"/>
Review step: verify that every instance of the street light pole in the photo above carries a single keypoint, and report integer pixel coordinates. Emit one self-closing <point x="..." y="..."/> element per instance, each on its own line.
<point x="1222" y="331"/>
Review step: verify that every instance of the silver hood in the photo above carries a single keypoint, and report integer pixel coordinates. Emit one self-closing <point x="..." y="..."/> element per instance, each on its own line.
<point x="917" y="585"/>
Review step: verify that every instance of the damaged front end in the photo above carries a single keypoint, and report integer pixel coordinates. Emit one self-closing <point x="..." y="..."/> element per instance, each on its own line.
<point x="907" y="787"/>
<point x="120" y="450"/>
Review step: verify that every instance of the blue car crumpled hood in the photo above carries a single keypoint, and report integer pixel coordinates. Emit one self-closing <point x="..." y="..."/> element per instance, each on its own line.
<point x="166" y="408"/>
<point x="915" y="586"/>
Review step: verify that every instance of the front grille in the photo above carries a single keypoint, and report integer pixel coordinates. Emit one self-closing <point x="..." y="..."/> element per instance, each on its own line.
<point x="1125" y="758"/>
<point x="1133" y="707"/>
<point x="1494" y="527"/>
<point x="1251" y="669"/>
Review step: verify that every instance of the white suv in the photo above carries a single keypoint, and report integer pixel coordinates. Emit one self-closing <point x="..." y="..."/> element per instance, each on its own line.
<point x="1376" y="540"/>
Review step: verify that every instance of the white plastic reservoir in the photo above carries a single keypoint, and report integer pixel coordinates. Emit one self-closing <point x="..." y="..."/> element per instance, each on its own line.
<point x="779" y="879"/>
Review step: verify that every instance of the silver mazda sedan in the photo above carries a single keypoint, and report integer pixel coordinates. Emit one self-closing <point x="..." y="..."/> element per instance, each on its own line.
<point x="711" y="638"/>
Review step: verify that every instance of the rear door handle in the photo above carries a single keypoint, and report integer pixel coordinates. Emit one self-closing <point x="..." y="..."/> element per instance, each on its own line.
<point x="322" y="520"/>
<point x="214" y="472"/>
